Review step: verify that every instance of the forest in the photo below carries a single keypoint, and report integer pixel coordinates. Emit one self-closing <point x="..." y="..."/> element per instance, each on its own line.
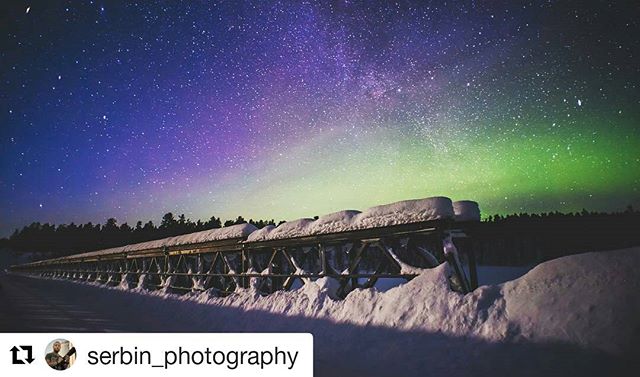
<point x="517" y="239"/>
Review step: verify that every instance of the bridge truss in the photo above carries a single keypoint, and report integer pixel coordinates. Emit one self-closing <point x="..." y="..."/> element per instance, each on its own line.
<point x="355" y="259"/>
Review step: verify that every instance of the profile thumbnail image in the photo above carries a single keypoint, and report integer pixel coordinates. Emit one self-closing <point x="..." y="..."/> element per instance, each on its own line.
<point x="60" y="354"/>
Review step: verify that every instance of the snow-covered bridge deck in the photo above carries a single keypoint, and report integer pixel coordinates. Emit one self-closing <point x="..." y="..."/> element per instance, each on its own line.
<point x="357" y="249"/>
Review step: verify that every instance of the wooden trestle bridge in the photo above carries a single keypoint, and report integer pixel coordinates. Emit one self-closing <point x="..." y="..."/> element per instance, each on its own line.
<point x="356" y="259"/>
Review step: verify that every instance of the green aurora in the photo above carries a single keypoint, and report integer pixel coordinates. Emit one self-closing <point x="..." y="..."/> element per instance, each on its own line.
<point x="560" y="167"/>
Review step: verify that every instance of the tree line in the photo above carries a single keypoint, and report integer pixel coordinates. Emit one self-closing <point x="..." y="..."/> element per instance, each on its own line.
<point x="67" y="239"/>
<point x="528" y="239"/>
<point x="517" y="239"/>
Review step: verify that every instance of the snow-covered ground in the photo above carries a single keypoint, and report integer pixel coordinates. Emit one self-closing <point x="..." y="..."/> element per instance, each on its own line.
<point x="573" y="315"/>
<point x="591" y="300"/>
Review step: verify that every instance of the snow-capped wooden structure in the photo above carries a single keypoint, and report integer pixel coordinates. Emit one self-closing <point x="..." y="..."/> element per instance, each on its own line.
<point x="355" y="248"/>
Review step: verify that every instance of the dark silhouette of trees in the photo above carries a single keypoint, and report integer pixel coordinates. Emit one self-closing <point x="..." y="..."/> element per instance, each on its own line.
<point x="516" y="239"/>
<point x="238" y="220"/>
<point x="214" y="222"/>
<point x="71" y="239"/>
<point x="525" y="239"/>
<point x="262" y="223"/>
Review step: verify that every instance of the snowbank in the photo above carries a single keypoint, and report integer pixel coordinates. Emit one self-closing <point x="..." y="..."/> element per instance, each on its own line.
<point x="576" y="315"/>
<point x="424" y="303"/>
<point x="592" y="300"/>
<point x="589" y="300"/>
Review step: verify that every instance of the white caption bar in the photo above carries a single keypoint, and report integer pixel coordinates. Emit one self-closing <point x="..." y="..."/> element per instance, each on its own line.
<point x="155" y="354"/>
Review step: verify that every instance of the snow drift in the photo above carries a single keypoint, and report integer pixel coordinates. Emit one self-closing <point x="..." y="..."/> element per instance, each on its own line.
<point x="588" y="300"/>
<point x="576" y="315"/>
<point x="592" y="300"/>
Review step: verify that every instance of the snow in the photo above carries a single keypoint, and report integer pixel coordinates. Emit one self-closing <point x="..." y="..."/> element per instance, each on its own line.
<point x="566" y="315"/>
<point x="290" y="229"/>
<point x="261" y="234"/>
<point x="406" y="211"/>
<point x="153" y="244"/>
<point x="404" y="267"/>
<point x="466" y="210"/>
<point x="113" y="250"/>
<point x="424" y="303"/>
<point x="590" y="300"/>
<point x="230" y="232"/>
<point x="403" y="212"/>
<point x="217" y="234"/>
<point x="335" y="222"/>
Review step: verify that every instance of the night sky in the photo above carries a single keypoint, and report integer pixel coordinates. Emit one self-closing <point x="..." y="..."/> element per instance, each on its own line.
<point x="289" y="109"/>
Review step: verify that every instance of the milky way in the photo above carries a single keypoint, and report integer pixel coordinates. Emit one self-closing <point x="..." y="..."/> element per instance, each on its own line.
<point x="290" y="109"/>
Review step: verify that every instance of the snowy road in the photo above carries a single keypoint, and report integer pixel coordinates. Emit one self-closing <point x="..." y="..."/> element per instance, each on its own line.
<point x="34" y="305"/>
<point x="30" y="304"/>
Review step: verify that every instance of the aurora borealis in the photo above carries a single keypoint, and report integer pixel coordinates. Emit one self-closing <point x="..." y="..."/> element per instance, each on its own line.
<point x="291" y="109"/>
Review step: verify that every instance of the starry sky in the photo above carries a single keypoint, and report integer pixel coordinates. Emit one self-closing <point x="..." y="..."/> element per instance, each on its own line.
<point x="277" y="109"/>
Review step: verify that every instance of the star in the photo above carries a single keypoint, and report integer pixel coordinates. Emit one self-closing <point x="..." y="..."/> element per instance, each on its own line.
<point x="218" y="110"/>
